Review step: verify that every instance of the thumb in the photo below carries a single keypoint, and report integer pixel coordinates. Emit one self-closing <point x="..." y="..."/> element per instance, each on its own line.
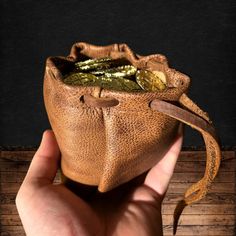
<point x="159" y="176"/>
<point x="44" y="164"/>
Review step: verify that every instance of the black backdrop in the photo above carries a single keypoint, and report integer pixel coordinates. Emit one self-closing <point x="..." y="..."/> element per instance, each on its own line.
<point x="198" y="37"/>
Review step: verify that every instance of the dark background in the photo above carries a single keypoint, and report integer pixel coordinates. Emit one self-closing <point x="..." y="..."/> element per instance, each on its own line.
<point x="198" y="38"/>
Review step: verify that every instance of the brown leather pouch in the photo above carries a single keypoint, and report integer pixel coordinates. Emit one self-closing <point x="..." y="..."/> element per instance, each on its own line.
<point x="109" y="137"/>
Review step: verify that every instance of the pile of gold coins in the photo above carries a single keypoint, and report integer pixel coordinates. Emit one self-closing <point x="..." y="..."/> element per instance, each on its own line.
<point x="112" y="74"/>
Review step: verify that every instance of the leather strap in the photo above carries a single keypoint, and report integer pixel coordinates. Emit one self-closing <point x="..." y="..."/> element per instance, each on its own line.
<point x="190" y="105"/>
<point x="197" y="191"/>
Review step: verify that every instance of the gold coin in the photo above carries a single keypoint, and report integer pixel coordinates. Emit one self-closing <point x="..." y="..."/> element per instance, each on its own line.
<point x="108" y="83"/>
<point x="95" y="66"/>
<point x="121" y="71"/>
<point x="112" y="83"/>
<point x="129" y="85"/>
<point x="97" y="72"/>
<point x="120" y="84"/>
<point x="80" y="79"/>
<point x="93" y="61"/>
<point x="149" y="81"/>
<point x="161" y="75"/>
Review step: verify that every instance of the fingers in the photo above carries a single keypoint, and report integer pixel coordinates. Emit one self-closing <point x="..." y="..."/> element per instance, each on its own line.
<point x="45" y="161"/>
<point x="168" y="162"/>
<point x="159" y="176"/>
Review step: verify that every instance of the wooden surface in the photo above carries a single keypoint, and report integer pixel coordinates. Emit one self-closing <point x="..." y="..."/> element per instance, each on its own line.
<point x="214" y="215"/>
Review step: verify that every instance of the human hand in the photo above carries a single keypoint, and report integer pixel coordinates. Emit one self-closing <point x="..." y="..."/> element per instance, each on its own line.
<point x="49" y="209"/>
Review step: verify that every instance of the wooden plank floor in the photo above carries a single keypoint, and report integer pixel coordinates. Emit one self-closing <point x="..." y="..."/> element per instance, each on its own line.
<point x="214" y="215"/>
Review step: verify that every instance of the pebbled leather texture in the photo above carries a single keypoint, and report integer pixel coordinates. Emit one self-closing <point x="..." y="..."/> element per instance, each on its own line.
<point x="109" y="137"/>
<point x="108" y="146"/>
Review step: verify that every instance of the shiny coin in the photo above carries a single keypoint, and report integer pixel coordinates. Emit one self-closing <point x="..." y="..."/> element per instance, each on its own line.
<point x="120" y="84"/>
<point x="149" y="81"/>
<point x="116" y="75"/>
<point x="129" y="85"/>
<point x="108" y="83"/>
<point x="97" y="72"/>
<point x="93" y="61"/>
<point x="95" y="66"/>
<point x="80" y="79"/>
<point x="161" y="76"/>
<point x="121" y="71"/>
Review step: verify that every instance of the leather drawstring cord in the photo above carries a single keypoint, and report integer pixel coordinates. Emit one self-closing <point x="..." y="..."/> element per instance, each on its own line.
<point x="198" y="190"/>
<point x="99" y="102"/>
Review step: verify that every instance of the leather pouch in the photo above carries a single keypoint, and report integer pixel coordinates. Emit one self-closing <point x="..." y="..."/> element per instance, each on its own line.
<point x="109" y="137"/>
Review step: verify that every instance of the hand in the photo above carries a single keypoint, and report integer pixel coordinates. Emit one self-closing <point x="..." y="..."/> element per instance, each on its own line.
<point x="49" y="209"/>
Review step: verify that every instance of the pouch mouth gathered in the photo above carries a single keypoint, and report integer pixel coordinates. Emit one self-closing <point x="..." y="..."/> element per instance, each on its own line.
<point x="177" y="82"/>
